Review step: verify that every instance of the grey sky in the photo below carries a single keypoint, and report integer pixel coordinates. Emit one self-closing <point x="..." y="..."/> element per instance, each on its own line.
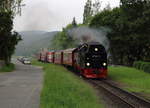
<point x="52" y="15"/>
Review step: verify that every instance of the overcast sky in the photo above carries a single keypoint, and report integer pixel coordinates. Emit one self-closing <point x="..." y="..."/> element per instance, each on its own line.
<point x="52" y="15"/>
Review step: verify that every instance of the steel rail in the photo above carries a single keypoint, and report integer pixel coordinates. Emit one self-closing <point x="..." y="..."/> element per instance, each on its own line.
<point x="134" y="99"/>
<point x="129" y="99"/>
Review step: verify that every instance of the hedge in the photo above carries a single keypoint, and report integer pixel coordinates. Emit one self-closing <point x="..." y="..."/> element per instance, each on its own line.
<point x="145" y="66"/>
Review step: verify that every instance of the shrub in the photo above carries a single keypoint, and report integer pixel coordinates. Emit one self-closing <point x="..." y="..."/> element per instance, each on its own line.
<point x="8" y="68"/>
<point x="145" y="66"/>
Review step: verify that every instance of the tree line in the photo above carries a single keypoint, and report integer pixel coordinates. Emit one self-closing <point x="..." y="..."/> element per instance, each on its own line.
<point x="130" y="30"/>
<point x="129" y="26"/>
<point x="8" y="38"/>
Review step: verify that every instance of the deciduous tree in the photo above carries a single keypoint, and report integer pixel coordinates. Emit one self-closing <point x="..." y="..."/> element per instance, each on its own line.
<point x="129" y="38"/>
<point x="88" y="12"/>
<point x="8" y="39"/>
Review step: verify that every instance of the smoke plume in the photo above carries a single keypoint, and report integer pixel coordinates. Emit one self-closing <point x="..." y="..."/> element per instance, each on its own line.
<point x="37" y="16"/>
<point x="86" y="34"/>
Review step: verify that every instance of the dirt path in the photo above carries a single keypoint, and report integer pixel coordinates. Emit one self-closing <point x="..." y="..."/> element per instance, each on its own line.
<point x="21" y="89"/>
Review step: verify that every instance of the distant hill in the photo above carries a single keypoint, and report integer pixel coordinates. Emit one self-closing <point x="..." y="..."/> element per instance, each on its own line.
<point x="33" y="41"/>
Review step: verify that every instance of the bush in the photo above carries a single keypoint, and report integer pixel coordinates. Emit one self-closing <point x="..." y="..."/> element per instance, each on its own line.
<point x="145" y="66"/>
<point x="8" y="68"/>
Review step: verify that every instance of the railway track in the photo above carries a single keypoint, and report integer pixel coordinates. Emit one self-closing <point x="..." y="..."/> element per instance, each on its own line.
<point x="128" y="100"/>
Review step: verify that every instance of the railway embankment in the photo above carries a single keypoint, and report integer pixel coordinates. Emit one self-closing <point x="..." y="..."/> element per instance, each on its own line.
<point x="62" y="89"/>
<point x="131" y="79"/>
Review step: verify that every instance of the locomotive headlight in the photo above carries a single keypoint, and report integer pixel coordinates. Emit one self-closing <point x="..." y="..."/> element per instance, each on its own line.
<point x="96" y="49"/>
<point x="88" y="64"/>
<point x="104" y="64"/>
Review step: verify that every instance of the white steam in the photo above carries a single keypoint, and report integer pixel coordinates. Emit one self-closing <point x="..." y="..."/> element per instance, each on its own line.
<point x="37" y="17"/>
<point x="86" y="34"/>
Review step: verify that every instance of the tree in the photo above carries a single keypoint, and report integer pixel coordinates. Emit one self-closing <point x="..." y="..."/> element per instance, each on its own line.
<point x="8" y="39"/>
<point x="11" y="5"/>
<point x="74" y="23"/>
<point x="88" y="12"/>
<point x="91" y="9"/>
<point x="108" y="7"/>
<point x="96" y="7"/>
<point x="130" y="29"/>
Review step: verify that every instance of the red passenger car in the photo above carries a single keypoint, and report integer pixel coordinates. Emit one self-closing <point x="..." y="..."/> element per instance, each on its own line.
<point x="58" y="59"/>
<point x="43" y="56"/>
<point x="50" y="56"/>
<point x="68" y="57"/>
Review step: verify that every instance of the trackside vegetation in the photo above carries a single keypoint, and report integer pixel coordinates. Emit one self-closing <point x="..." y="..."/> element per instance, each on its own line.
<point x="8" y="68"/>
<point x="131" y="79"/>
<point x="62" y="89"/>
<point x="129" y="36"/>
<point x="145" y="66"/>
<point x="8" y="38"/>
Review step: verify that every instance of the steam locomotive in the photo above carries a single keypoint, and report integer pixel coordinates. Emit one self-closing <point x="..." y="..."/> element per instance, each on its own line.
<point x="89" y="59"/>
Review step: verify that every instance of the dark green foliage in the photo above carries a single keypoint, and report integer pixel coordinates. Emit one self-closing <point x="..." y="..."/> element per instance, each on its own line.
<point x="145" y="66"/>
<point x="130" y="25"/>
<point x="8" y="39"/>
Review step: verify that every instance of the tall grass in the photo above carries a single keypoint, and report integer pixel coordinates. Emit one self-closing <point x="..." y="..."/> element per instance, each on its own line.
<point x="64" y="90"/>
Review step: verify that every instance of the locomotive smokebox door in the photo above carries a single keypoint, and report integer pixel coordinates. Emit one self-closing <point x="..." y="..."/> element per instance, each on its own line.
<point x="96" y="71"/>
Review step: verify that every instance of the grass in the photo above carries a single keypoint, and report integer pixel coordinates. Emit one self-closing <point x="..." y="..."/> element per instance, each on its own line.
<point x="8" y="68"/>
<point x="134" y="80"/>
<point x="62" y="89"/>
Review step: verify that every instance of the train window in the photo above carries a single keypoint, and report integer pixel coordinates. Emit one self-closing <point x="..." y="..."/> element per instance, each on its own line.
<point x="84" y="49"/>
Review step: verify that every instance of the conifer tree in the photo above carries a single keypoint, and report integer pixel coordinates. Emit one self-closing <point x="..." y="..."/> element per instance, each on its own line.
<point x="88" y="12"/>
<point x="74" y="23"/>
